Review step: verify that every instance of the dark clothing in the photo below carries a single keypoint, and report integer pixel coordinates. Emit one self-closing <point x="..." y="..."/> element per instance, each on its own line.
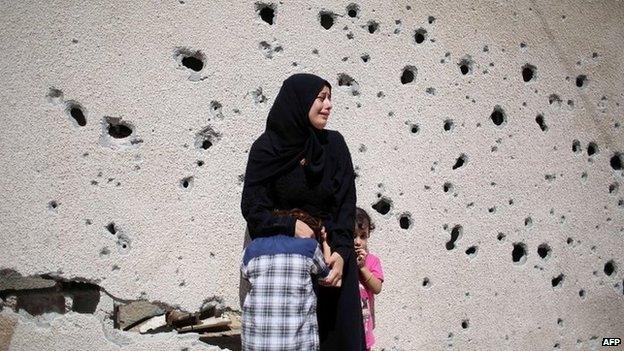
<point x="289" y="135"/>
<point x="324" y="187"/>
<point x="332" y="199"/>
<point x="339" y="312"/>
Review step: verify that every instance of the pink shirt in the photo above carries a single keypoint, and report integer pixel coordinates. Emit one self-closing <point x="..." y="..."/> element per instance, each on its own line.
<point x="367" y="297"/>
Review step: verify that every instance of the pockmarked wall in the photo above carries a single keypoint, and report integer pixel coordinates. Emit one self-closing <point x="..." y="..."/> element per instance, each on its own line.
<point x="486" y="138"/>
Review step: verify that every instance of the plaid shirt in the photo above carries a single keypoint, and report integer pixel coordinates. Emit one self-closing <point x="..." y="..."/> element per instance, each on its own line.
<point x="279" y="312"/>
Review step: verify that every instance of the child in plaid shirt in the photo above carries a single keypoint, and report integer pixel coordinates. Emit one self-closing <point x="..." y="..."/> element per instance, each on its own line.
<point x="279" y="312"/>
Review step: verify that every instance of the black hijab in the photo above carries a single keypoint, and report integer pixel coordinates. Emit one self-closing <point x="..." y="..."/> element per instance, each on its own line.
<point x="289" y="135"/>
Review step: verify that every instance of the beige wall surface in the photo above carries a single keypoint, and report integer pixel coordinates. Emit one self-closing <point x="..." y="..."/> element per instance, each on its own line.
<point x="528" y="94"/>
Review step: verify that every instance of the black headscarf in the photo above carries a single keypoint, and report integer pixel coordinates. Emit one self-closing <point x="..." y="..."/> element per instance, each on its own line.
<point x="289" y="135"/>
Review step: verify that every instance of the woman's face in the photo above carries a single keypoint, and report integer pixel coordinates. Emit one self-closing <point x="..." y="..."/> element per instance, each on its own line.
<point x="319" y="112"/>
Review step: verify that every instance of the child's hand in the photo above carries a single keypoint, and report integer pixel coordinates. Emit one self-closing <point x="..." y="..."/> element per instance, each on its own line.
<point x="361" y="256"/>
<point x="323" y="234"/>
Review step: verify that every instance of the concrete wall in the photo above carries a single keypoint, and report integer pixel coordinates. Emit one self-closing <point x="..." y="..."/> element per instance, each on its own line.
<point x="528" y="94"/>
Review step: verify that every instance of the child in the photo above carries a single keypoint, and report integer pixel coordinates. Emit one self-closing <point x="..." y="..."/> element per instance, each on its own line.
<point x="371" y="274"/>
<point x="279" y="312"/>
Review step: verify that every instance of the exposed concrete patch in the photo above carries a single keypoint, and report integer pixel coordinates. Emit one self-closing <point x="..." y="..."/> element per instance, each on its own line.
<point x="7" y="326"/>
<point x="12" y="280"/>
<point x="67" y="332"/>
<point x="128" y="315"/>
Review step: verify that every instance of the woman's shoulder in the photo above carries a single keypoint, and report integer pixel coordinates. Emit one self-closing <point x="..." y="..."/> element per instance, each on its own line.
<point x="336" y="139"/>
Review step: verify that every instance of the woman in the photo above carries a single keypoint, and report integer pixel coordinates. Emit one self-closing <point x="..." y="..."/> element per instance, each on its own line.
<point x="296" y="163"/>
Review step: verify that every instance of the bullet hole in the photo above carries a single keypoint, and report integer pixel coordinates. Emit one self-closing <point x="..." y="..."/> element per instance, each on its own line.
<point x="528" y="221"/>
<point x="430" y="91"/>
<point x="216" y="109"/>
<point x="448" y="125"/>
<point x="461" y="160"/>
<point x="123" y="243"/>
<point x="613" y="187"/>
<point x="581" y="80"/>
<point x="472" y="251"/>
<point x="558" y="280"/>
<point x="592" y="149"/>
<point x="75" y="111"/>
<point x="554" y="99"/>
<point x="397" y="30"/>
<point x="362" y="148"/>
<point x="465" y="65"/>
<point x="54" y="96"/>
<point x="426" y="283"/>
<point x="52" y="205"/>
<point x="430" y="19"/>
<point x="498" y="115"/>
<point x="383" y="205"/>
<point x="326" y="19"/>
<point x="456" y="234"/>
<point x="414" y="128"/>
<point x="380" y="94"/>
<point x="268" y="50"/>
<point x="420" y="35"/>
<point x="408" y="74"/>
<point x="206" y="138"/>
<point x="353" y="10"/>
<point x="104" y="252"/>
<point x="582" y="293"/>
<point x="528" y="72"/>
<point x="609" y="268"/>
<point x="117" y="128"/>
<point x="372" y="26"/>
<point x="543" y="250"/>
<point x="193" y="63"/>
<point x="576" y="146"/>
<point x="540" y="121"/>
<point x="465" y="324"/>
<point x="500" y="236"/>
<point x="365" y="57"/>
<point x="492" y="209"/>
<point x="447" y="187"/>
<point x="405" y="221"/>
<point x="616" y="161"/>
<point x="111" y="228"/>
<point x="200" y="163"/>
<point x="266" y="12"/>
<point x="344" y="80"/>
<point x="519" y="253"/>
<point x="186" y="183"/>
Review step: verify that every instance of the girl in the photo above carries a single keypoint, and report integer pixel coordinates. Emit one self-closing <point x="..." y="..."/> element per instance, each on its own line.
<point x="371" y="274"/>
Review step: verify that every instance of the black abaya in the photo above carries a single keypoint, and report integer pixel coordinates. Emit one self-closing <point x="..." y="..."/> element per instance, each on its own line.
<point x="324" y="187"/>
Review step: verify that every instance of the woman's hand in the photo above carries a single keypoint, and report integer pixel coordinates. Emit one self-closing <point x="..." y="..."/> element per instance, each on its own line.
<point x="303" y="230"/>
<point x="336" y="263"/>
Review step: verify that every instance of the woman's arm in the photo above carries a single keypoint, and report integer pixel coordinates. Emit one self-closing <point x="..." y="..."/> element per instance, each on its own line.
<point x="257" y="207"/>
<point x="341" y="228"/>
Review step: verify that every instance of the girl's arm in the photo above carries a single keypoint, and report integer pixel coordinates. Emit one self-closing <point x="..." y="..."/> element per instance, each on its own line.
<point x="369" y="280"/>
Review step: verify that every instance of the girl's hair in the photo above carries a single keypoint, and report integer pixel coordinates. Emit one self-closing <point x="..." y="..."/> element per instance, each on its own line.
<point x="363" y="220"/>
